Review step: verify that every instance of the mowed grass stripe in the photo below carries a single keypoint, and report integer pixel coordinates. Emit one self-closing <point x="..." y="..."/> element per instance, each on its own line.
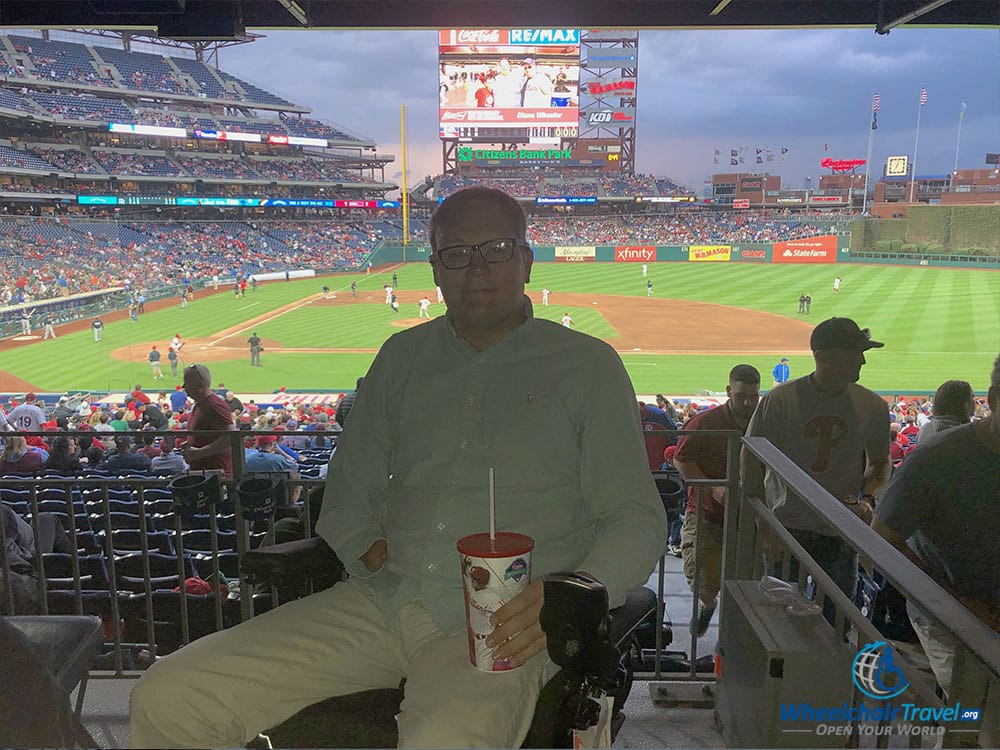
<point x="984" y="300"/>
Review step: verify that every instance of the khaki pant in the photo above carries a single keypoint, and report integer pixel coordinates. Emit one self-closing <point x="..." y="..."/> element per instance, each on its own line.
<point x="710" y="573"/>
<point x="224" y="689"/>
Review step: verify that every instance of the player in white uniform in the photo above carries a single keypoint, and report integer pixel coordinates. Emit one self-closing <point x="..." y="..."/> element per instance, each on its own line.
<point x="425" y="308"/>
<point x="545" y="297"/>
<point x="567" y="321"/>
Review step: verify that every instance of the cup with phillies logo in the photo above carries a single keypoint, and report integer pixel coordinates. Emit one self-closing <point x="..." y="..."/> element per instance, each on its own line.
<point x="494" y="571"/>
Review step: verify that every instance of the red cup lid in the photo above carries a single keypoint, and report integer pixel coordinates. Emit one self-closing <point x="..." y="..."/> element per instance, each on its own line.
<point x="506" y="544"/>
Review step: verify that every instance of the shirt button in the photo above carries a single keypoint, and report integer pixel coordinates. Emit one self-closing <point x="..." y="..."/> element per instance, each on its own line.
<point x="431" y="568"/>
<point x="470" y="401"/>
<point x="442" y="526"/>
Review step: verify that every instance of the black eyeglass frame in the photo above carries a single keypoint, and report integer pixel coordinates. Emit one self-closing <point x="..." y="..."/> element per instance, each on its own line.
<point x="472" y="249"/>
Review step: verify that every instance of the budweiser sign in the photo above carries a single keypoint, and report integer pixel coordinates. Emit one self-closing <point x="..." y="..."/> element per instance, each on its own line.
<point x="596" y="88"/>
<point x="842" y="165"/>
<point x="477" y="36"/>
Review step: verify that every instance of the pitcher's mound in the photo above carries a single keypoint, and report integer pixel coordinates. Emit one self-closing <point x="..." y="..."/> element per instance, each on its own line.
<point x="408" y="322"/>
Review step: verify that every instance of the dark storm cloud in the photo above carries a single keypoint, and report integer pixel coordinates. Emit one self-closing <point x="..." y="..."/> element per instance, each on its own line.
<point x="698" y="90"/>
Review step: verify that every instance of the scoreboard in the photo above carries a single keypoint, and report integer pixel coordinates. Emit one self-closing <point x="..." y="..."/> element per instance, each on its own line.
<point x="489" y="134"/>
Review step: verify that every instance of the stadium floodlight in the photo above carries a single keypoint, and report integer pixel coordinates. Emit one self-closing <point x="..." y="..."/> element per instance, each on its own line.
<point x="295" y="11"/>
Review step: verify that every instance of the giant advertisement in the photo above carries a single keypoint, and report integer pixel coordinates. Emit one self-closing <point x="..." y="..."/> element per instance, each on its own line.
<point x="808" y="250"/>
<point x="508" y="79"/>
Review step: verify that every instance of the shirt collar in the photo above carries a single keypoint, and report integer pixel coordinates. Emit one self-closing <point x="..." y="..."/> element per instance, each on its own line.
<point x="511" y="340"/>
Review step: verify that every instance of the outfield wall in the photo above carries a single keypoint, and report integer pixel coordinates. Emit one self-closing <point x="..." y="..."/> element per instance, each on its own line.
<point x="821" y="249"/>
<point x="931" y="230"/>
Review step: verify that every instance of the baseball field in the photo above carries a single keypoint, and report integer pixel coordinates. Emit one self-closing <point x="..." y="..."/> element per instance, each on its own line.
<point x="701" y="319"/>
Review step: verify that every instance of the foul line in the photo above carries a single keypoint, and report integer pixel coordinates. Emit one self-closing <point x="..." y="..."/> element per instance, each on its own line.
<point x="308" y="301"/>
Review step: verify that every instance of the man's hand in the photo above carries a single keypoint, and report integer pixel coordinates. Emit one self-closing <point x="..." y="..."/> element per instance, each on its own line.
<point x="376" y="555"/>
<point x="517" y="633"/>
<point x="861" y="508"/>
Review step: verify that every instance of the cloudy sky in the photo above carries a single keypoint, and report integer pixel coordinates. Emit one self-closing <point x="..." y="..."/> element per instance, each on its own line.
<point x="698" y="91"/>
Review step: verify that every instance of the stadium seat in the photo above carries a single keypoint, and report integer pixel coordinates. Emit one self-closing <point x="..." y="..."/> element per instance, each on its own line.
<point x="59" y="572"/>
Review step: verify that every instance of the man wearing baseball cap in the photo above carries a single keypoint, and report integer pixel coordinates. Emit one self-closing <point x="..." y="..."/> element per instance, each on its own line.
<point x="29" y="416"/>
<point x="825" y="422"/>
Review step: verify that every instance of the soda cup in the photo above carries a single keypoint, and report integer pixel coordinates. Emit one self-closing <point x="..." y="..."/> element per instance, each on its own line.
<point x="494" y="571"/>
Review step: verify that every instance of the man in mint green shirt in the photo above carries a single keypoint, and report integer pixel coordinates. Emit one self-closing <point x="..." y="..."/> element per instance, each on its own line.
<point x="551" y="410"/>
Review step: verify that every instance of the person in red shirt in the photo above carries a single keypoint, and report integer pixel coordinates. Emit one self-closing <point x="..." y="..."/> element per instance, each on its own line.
<point x="484" y="94"/>
<point x="138" y="395"/>
<point x="210" y="412"/>
<point x="704" y="457"/>
<point x="910" y="430"/>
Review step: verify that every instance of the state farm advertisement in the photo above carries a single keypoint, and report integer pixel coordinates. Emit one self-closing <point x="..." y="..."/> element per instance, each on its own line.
<point x="709" y="253"/>
<point x="575" y="254"/>
<point x="809" y="250"/>
<point x="635" y="253"/>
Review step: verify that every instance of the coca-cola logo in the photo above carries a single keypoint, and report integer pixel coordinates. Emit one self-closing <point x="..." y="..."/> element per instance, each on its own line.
<point x="478" y="36"/>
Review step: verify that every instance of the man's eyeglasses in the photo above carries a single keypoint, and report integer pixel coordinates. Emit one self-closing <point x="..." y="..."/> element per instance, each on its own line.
<point x="456" y="257"/>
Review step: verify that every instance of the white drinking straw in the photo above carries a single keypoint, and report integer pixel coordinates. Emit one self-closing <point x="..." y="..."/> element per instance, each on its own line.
<point x="493" y="508"/>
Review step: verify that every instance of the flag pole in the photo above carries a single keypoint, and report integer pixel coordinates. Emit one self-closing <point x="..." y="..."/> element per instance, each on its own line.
<point x="916" y="140"/>
<point x="868" y="161"/>
<point x="958" y="140"/>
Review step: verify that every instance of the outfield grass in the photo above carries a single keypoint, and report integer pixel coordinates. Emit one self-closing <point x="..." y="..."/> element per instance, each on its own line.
<point x="937" y="324"/>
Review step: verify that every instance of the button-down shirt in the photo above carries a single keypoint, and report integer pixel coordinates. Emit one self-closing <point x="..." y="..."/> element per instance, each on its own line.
<point x="550" y="409"/>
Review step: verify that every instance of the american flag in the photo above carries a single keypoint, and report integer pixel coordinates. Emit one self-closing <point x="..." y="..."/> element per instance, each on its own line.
<point x="923" y="96"/>
<point x="876" y="101"/>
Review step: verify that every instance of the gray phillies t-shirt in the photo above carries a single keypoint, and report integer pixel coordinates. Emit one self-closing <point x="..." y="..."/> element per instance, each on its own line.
<point x="827" y="436"/>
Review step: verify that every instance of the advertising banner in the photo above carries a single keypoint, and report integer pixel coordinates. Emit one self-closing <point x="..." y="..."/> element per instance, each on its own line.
<point x="508" y="78"/>
<point x="617" y="88"/>
<point x="612" y="117"/>
<point x="635" y="253"/>
<point x="709" y="253"/>
<point x="809" y="250"/>
<point x="751" y="253"/>
<point x="751" y="184"/>
<point x="575" y="254"/>
<point x="619" y="59"/>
